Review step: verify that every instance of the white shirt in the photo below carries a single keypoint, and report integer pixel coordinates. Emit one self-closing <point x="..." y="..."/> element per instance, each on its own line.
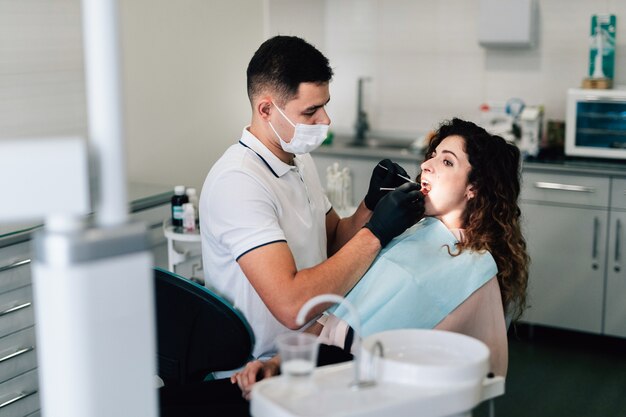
<point x="251" y="198"/>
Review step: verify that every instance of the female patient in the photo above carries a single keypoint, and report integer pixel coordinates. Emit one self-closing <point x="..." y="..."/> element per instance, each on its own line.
<point x="462" y="268"/>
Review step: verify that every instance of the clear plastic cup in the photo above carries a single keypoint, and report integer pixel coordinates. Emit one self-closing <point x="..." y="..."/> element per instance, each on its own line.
<point x="298" y="353"/>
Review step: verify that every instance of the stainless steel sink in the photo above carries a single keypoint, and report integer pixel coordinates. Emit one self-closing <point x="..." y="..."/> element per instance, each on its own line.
<point x="381" y="143"/>
<point x="374" y="146"/>
<point x="403" y="146"/>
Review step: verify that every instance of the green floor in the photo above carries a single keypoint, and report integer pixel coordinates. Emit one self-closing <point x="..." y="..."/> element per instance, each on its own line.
<point x="560" y="373"/>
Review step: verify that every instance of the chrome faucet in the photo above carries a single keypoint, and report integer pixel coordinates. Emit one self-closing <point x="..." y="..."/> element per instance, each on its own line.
<point x="333" y="298"/>
<point x="362" y="125"/>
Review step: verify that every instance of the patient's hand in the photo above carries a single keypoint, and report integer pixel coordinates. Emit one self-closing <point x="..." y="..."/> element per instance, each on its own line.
<point x="253" y="371"/>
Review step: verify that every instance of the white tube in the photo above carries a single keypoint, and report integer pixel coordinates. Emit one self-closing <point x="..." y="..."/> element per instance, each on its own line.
<point x="334" y="298"/>
<point x="104" y="101"/>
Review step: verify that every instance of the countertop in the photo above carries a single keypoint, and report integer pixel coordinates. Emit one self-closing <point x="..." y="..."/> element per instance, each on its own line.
<point x="140" y="197"/>
<point x="394" y="149"/>
<point x="589" y="166"/>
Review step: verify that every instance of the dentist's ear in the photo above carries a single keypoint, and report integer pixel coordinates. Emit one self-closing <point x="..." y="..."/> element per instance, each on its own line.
<point x="263" y="107"/>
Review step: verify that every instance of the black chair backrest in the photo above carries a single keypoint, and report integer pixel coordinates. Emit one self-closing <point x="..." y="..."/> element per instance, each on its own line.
<point x="198" y="332"/>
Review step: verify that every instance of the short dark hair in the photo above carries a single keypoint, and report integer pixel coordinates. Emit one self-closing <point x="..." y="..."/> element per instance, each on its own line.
<point x="283" y="62"/>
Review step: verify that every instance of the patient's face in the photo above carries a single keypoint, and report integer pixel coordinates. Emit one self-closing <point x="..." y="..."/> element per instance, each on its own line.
<point x="444" y="181"/>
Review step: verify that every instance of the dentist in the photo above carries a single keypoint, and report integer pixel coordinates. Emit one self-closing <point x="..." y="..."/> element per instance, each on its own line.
<point x="270" y="237"/>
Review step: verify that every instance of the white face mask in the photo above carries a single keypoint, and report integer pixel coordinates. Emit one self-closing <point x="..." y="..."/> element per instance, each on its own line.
<point x="306" y="138"/>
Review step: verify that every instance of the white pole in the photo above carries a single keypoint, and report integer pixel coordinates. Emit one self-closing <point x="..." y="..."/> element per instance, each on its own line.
<point x="104" y="101"/>
<point x="93" y="287"/>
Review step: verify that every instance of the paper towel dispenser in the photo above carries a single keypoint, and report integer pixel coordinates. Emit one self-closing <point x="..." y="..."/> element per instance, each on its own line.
<point x="507" y="23"/>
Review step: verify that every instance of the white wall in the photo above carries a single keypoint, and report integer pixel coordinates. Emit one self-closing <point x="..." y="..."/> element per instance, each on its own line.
<point x="184" y="64"/>
<point x="426" y="64"/>
<point x="185" y="83"/>
<point x="41" y="69"/>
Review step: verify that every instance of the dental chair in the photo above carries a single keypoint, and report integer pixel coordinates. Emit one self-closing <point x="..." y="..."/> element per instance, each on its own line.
<point x="198" y="332"/>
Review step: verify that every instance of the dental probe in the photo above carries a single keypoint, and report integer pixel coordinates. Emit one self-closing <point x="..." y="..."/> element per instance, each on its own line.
<point x="401" y="176"/>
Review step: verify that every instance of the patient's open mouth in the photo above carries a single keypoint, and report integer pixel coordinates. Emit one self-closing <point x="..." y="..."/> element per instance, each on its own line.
<point x="425" y="187"/>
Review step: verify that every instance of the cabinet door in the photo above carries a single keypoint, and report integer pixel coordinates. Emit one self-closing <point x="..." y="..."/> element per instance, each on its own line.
<point x="615" y="308"/>
<point x="567" y="246"/>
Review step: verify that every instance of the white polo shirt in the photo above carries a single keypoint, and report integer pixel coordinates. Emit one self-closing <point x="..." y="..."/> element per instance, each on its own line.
<point x="251" y="198"/>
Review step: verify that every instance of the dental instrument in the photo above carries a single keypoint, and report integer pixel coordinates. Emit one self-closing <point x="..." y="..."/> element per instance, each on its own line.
<point x="401" y="176"/>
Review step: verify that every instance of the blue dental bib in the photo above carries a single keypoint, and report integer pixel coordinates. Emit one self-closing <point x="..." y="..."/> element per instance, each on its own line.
<point x="415" y="282"/>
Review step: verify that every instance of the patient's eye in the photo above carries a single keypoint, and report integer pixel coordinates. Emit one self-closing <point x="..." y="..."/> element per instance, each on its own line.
<point x="448" y="163"/>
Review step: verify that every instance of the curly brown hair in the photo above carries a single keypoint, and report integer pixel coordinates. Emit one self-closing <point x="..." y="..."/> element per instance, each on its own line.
<point x="492" y="218"/>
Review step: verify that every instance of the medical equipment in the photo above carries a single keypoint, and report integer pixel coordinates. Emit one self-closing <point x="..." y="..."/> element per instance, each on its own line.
<point x="401" y="176"/>
<point x="92" y="282"/>
<point x="436" y="372"/>
<point x="357" y="382"/>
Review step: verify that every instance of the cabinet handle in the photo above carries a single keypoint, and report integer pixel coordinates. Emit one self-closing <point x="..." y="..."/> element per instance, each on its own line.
<point x="564" y="187"/>
<point x="618" y="234"/>
<point x="17" y="352"/>
<point x="594" y="250"/>
<point x="17" y="396"/>
<point x="14" y="308"/>
<point x="14" y="265"/>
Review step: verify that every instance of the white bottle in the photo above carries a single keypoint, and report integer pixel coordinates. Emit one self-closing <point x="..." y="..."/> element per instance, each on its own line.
<point x="189" y="218"/>
<point x="193" y="199"/>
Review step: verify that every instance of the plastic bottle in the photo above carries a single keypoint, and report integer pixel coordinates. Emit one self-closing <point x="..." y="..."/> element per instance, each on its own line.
<point x="178" y="200"/>
<point x="189" y="218"/>
<point x="193" y="199"/>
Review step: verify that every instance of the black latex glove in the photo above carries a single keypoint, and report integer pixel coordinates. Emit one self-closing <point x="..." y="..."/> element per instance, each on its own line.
<point x="382" y="177"/>
<point x="397" y="211"/>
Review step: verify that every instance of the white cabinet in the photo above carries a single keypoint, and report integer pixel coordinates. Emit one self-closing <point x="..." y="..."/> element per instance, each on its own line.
<point x="575" y="228"/>
<point x="565" y="221"/>
<point x="615" y="304"/>
<point x="566" y="277"/>
<point x="18" y="363"/>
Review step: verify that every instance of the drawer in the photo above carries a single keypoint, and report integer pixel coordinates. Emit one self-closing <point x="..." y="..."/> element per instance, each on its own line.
<point x="15" y="275"/>
<point x="17" y="354"/>
<point x="18" y="396"/>
<point x="566" y="189"/>
<point x="16" y="311"/>
<point x="14" y="266"/>
<point x="618" y="193"/>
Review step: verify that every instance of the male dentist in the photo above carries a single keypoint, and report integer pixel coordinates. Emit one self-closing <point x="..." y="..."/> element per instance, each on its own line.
<point x="270" y="237"/>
